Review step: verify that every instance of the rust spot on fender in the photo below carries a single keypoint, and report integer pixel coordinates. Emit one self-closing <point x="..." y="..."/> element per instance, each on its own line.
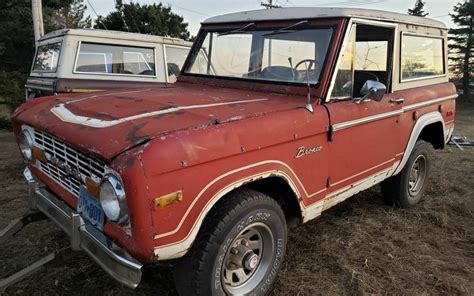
<point x="132" y="134"/>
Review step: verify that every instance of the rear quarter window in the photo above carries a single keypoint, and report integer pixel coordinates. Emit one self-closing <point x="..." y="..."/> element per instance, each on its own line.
<point x="47" y="57"/>
<point x="421" y="57"/>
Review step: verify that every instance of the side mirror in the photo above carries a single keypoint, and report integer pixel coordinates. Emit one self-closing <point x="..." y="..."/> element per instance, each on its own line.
<point x="372" y="90"/>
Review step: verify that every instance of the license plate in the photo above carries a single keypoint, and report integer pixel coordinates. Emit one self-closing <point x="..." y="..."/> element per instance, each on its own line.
<point x="90" y="208"/>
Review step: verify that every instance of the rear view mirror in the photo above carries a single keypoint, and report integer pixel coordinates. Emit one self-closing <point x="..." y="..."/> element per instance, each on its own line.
<point x="371" y="90"/>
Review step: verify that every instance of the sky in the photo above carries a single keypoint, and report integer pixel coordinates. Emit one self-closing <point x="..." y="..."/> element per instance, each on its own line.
<point x="195" y="11"/>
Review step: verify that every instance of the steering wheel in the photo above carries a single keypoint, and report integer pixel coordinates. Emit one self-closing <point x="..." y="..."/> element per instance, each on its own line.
<point x="310" y="61"/>
<point x="372" y="74"/>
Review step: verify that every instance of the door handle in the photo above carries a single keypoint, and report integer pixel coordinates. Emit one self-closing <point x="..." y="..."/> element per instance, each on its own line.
<point x="397" y="101"/>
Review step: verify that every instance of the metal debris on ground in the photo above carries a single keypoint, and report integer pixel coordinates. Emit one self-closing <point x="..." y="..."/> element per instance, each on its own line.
<point x="460" y="141"/>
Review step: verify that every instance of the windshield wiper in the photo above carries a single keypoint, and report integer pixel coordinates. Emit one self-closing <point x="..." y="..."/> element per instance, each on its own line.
<point x="236" y="31"/>
<point x="286" y="29"/>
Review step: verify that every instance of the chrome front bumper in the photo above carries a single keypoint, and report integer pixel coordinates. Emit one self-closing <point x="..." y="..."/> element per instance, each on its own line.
<point x="114" y="260"/>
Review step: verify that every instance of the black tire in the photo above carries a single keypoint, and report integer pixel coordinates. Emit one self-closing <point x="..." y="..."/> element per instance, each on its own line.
<point x="401" y="190"/>
<point x="202" y="271"/>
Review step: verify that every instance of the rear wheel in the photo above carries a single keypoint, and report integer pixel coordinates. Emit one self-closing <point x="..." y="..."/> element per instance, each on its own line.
<point x="239" y="249"/>
<point x="407" y="187"/>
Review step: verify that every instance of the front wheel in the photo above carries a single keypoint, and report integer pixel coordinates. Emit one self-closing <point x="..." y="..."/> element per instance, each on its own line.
<point x="239" y="249"/>
<point x="407" y="187"/>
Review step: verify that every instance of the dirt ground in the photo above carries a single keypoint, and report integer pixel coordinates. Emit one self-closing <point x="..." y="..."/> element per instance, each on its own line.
<point x="358" y="247"/>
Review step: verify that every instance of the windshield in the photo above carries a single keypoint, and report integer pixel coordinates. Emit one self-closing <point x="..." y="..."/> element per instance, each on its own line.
<point x="47" y="57"/>
<point x="281" y="56"/>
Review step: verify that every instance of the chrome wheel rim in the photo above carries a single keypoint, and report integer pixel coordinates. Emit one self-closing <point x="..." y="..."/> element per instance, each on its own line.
<point x="417" y="175"/>
<point x="248" y="259"/>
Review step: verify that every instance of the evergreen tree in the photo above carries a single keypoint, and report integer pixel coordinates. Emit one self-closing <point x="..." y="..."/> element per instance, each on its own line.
<point x="418" y="10"/>
<point x="71" y="15"/>
<point x="154" y="19"/>
<point x="461" y="44"/>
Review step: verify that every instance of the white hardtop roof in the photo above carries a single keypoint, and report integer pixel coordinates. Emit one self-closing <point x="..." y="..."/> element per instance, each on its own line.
<point x="289" y="13"/>
<point x="108" y="34"/>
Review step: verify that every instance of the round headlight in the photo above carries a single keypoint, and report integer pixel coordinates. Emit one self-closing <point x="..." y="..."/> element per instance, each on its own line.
<point x="26" y="145"/>
<point x="112" y="199"/>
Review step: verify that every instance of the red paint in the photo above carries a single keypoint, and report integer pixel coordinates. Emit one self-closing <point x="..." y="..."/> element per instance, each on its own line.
<point x="202" y="151"/>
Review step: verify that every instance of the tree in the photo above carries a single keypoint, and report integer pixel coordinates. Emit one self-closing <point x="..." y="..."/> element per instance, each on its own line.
<point x="417" y="10"/>
<point x="461" y="44"/>
<point x="154" y="19"/>
<point x="71" y="15"/>
<point x="17" y="46"/>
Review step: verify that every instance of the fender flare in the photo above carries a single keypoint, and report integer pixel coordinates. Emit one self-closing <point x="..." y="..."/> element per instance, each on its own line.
<point x="181" y="247"/>
<point x="421" y="123"/>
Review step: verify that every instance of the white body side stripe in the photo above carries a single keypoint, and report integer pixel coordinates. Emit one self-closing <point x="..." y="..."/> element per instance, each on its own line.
<point x="63" y="113"/>
<point x="178" y="249"/>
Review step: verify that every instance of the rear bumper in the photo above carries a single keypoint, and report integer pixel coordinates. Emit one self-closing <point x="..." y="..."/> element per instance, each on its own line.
<point x="114" y="260"/>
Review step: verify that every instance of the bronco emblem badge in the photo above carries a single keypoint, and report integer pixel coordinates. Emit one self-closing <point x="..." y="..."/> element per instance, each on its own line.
<point x="303" y="151"/>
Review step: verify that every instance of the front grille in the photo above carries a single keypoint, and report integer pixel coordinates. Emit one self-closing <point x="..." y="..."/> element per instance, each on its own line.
<point x="64" y="162"/>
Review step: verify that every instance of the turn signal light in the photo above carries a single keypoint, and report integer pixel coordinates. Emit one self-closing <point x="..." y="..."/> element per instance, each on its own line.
<point x="93" y="187"/>
<point x="38" y="153"/>
<point x="168" y="199"/>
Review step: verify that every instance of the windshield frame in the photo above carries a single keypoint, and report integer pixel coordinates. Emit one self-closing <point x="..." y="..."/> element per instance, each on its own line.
<point x="312" y="24"/>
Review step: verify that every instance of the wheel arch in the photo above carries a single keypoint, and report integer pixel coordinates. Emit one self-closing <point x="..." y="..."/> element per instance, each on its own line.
<point x="267" y="182"/>
<point x="431" y="128"/>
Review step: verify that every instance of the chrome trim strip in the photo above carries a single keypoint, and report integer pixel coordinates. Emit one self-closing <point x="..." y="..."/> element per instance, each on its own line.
<point x="114" y="260"/>
<point x="427" y="103"/>
<point x="350" y="27"/>
<point x="347" y="124"/>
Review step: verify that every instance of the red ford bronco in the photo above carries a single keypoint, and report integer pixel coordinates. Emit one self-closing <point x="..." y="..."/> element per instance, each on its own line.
<point x="289" y="112"/>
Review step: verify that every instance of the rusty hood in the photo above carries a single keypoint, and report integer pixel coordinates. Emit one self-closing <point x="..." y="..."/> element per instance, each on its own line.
<point x="108" y="123"/>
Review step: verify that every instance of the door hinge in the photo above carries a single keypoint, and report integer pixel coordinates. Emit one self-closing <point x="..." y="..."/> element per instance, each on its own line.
<point x="328" y="182"/>
<point x="330" y="133"/>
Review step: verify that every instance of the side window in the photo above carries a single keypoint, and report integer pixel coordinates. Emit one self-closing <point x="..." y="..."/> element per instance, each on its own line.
<point x="343" y="85"/>
<point x="421" y="57"/>
<point x="135" y="62"/>
<point x="175" y="57"/>
<point x="47" y="57"/>
<point x="115" y="59"/>
<point x="371" y="56"/>
<point x="367" y="56"/>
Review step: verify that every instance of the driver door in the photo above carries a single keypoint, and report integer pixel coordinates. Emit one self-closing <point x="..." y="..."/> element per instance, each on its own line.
<point x="365" y="136"/>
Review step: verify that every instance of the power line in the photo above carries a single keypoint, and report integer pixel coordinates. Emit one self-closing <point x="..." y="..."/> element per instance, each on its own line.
<point x="439" y="16"/>
<point x="189" y="10"/>
<point x="95" y="12"/>
<point x="347" y="2"/>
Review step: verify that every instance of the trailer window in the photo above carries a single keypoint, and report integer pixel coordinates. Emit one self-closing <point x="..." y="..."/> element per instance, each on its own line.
<point x="115" y="60"/>
<point x="47" y="57"/>
<point x="421" y="57"/>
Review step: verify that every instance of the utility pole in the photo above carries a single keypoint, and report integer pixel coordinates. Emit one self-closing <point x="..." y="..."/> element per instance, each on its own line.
<point x="269" y="5"/>
<point x="37" y="12"/>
